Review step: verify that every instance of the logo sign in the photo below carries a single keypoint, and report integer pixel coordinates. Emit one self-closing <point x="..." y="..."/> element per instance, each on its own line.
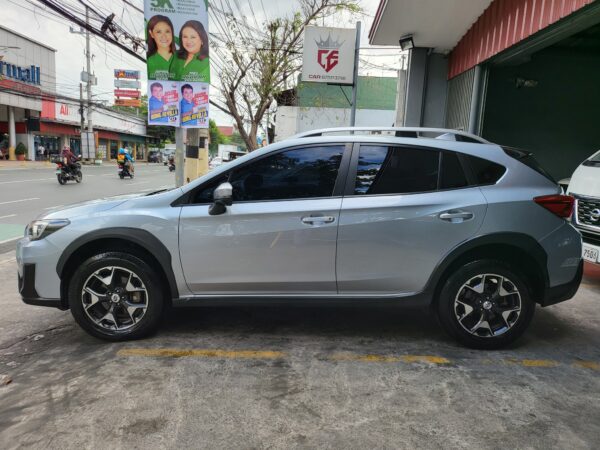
<point x="130" y="74"/>
<point x="595" y="216"/>
<point x="30" y="74"/>
<point x="329" y="55"/>
<point x="127" y="84"/>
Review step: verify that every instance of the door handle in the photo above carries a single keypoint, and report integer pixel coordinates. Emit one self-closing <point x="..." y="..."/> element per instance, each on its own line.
<point x="456" y="216"/>
<point x="314" y="220"/>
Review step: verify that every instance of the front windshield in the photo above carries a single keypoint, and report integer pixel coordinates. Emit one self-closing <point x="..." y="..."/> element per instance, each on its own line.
<point x="595" y="158"/>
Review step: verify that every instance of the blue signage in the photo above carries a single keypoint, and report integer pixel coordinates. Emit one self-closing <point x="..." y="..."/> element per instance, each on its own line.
<point x="29" y="74"/>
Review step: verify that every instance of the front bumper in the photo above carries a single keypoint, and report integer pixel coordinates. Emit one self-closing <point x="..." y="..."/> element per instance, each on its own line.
<point x="26" y="280"/>
<point x="563" y="292"/>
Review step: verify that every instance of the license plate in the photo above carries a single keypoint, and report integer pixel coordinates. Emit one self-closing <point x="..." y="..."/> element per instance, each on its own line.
<point x="58" y="172"/>
<point x="120" y="170"/>
<point x="590" y="254"/>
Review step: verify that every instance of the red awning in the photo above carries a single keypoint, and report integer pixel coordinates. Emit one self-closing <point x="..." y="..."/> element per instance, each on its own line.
<point x="58" y="129"/>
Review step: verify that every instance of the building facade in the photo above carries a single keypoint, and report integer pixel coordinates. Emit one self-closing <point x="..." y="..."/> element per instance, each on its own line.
<point x="33" y="114"/>
<point x="517" y="72"/>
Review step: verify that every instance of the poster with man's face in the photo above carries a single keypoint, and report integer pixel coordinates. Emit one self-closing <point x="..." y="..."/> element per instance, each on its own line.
<point x="177" y="56"/>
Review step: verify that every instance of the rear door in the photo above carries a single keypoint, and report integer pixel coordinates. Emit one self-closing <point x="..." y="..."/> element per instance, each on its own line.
<point x="405" y="208"/>
<point x="278" y="236"/>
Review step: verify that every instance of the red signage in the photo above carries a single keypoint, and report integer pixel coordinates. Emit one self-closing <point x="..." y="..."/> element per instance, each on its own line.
<point x="328" y="58"/>
<point x="127" y="93"/>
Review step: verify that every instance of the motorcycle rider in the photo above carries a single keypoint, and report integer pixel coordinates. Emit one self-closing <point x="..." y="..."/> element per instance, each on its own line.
<point x="125" y="158"/>
<point x="69" y="159"/>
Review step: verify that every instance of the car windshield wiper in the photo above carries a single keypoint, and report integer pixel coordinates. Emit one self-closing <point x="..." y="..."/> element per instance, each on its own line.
<point x="156" y="192"/>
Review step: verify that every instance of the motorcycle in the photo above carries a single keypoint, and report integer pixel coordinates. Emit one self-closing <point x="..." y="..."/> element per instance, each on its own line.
<point x="171" y="163"/>
<point x="64" y="173"/>
<point x="123" y="171"/>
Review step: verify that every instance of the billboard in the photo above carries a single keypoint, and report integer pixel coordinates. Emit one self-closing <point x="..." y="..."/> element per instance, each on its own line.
<point x="124" y="73"/>
<point x="329" y="55"/>
<point x="177" y="62"/>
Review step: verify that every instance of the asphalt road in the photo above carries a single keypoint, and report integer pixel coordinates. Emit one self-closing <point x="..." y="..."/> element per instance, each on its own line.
<point x="243" y="377"/>
<point x="26" y="193"/>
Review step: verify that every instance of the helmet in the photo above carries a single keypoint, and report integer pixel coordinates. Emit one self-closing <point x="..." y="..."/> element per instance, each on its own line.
<point x="121" y="150"/>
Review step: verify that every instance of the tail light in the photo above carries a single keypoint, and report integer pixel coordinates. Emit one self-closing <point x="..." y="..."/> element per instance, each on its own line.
<point x="561" y="205"/>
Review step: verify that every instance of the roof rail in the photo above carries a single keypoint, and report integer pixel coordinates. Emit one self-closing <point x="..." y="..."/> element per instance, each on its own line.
<point x="406" y="132"/>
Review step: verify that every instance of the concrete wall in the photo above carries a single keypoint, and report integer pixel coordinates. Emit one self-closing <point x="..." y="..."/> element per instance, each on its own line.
<point x="558" y="118"/>
<point x="293" y="119"/>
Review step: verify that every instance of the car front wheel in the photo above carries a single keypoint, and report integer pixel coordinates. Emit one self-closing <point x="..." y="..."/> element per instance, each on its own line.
<point x="485" y="305"/>
<point x="115" y="296"/>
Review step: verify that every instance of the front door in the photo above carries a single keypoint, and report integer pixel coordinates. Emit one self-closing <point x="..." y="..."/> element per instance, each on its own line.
<point x="278" y="237"/>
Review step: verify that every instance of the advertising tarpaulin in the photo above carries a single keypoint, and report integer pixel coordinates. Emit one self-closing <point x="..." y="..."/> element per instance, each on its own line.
<point x="124" y="73"/>
<point x="177" y="62"/>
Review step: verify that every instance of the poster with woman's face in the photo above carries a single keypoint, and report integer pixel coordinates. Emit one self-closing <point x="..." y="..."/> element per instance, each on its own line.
<point x="178" y="52"/>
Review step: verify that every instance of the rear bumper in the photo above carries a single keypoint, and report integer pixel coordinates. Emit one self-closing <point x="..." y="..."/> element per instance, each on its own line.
<point x="563" y="292"/>
<point x="28" y="292"/>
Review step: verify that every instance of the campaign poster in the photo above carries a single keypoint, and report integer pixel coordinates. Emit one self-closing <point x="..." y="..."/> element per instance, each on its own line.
<point x="163" y="103"/>
<point x="193" y="107"/>
<point x="178" y="55"/>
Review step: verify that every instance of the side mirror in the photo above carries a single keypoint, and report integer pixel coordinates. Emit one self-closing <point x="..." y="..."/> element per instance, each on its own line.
<point x="222" y="197"/>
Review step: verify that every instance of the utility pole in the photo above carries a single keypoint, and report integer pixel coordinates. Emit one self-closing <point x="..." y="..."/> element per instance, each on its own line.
<point x="81" y="115"/>
<point x="355" y="81"/>
<point x="88" y="57"/>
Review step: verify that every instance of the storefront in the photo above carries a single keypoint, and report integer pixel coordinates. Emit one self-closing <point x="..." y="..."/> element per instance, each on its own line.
<point x="517" y="72"/>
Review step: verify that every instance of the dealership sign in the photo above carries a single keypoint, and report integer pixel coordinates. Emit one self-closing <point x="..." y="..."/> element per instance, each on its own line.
<point x="329" y="55"/>
<point x="127" y="84"/>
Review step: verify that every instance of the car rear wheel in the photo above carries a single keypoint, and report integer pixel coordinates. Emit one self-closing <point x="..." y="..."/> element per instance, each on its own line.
<point x="115" y="296"/>
<point x="485" y="305"/>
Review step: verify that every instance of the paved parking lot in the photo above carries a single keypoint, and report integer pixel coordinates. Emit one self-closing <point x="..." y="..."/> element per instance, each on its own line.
<point x="281" y="377"/>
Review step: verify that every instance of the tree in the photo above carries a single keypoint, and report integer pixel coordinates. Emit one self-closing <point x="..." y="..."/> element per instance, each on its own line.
<point x="216" y="137"/>
<point x="255" y="64"/>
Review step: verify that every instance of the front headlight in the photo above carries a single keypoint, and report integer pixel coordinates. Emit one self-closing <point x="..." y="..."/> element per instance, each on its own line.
<point x="39" y="229"/>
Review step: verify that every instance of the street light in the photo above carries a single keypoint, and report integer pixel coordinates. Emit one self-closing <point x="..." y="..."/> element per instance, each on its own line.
<point x="406" y="42"/>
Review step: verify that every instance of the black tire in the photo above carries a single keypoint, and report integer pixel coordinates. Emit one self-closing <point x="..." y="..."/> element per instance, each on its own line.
<point x="500" y="331"/>
<point x="121" y="176"/>
<point x="78" y="177"/>
<point x="61" y="180"/>
<point x="154" y="298"/>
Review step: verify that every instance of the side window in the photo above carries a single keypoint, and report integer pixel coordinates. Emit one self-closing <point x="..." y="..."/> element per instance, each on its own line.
<point x="453" y="175"/>
<point x="484" y="171"/>
<point x="396" y="170"/>
<point x="299" y="173"/>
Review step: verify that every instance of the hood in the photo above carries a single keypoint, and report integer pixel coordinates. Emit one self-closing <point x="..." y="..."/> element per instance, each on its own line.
<point x="586" y="181"/>
<point x="89" y="207"/>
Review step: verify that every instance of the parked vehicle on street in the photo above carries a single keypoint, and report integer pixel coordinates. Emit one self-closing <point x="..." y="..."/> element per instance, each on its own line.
<point x="154" y="156"/>
<point x="585" y="187"/>
<point x="440" y="219"/>
<point x="65" y="172"/>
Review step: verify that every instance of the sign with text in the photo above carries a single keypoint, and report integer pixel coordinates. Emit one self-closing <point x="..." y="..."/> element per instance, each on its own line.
<point x="127" y="84"/>
<point x="329" y="55"/>
<point x="177" y="62"/>
<point x="135" y="103"/>
<point x="130" y="74"/>
<point x="127" y="93"/>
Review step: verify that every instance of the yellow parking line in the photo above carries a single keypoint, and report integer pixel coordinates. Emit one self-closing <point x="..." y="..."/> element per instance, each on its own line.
<point x="391" y="359"/>
<point x="534" y="362"/>
<point x="203" y="353"/>
<point x="587" y="365"/>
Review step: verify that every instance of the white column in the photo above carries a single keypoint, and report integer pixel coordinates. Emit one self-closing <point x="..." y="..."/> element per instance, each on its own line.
<point x="12" y="133"/>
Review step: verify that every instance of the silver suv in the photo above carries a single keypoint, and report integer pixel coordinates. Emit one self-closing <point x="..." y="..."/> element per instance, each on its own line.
<point x="435" y="218"/>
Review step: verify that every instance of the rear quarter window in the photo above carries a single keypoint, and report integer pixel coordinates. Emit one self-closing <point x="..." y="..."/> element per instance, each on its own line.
<point x="484" y="171"/>
<point x="527" y="158"/>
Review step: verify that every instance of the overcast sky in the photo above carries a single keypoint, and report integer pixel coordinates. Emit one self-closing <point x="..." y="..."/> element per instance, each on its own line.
<point x="30" y="18"/>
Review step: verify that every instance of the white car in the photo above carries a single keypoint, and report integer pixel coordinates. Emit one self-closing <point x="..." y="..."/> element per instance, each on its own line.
<point x="585" y="187"/>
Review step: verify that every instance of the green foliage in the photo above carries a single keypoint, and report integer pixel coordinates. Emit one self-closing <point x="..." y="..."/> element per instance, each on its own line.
<point x="216" y="137"/>
<point x="21" y="149"/>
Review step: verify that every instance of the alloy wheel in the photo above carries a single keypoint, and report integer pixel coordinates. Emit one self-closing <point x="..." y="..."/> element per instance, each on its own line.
<point x="114" y="298"/>
<point x="488" y="305"/>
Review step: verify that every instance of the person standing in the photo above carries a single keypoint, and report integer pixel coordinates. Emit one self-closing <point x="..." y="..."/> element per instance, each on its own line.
<point x="41" y="151"/>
